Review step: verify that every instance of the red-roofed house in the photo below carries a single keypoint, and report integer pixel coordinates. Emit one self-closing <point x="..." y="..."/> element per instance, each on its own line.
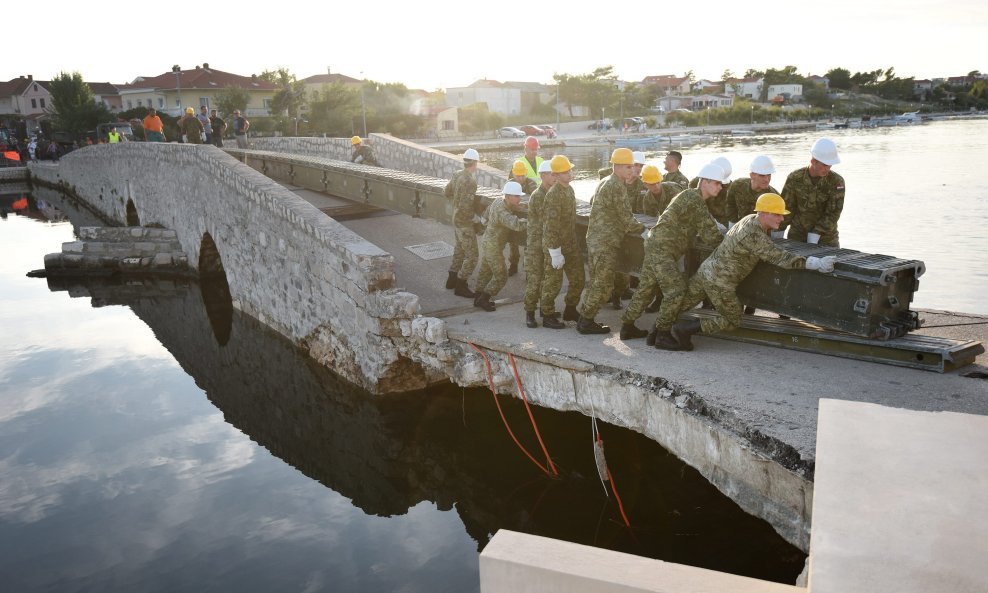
<point x="24" y="96"/>
<point x="669" y="84"/>
<point x="173" y="91"/>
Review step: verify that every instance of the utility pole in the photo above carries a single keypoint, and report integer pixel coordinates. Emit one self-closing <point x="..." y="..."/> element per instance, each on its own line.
<point x="178" y="86"/>
<point x="363" y="108"/>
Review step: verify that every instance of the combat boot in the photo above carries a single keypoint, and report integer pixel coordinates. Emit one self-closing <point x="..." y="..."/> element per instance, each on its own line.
<point x="552" y="321"/>
<point x="483" y="301"/>
<point x="629" y="331"/>
<point x="513" y="268"/>
<point x="463" y="290"/>
<point x="589" y="326"/>
<point x="451" y="281"/>
<point x="616" y="300"/>
<point x="650" y="338"/>
<point x="530" y="319"/>
<point x="683" y="331"/>
<point x="570" y="314"/>
<point x="665" y="341"/>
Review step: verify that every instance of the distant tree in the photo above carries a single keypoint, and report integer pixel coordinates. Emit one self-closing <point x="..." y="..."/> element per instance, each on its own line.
<point x="840" y="78"/>
<point x="752" y="73"/>
<point x="594" y="90"/>
<point x="335" y="109"/>
<point x="974" y="73"/>
<point x="73" y="108"/>
<point x="290" y="96"/>
<point x="231" y="99"/>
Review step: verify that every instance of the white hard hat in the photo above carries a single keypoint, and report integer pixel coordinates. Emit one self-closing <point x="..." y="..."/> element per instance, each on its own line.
<point x="471" y="155"/>
<point x="713" y="171"/>
<point x="639" y="157"/>
<point x="825" y="151"/>
<point x="513" y="188"/>
<point x="762" y="165"/>
<point x="545" y="167"/>
<point x="725" y="166"/>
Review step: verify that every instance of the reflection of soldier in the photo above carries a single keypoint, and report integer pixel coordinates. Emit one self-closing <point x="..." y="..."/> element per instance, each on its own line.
<point x="610" y="220"/>
<point x="559" y="242"/>
<point x="461" y="189"/>
<point x="717" y="205"/>
<point x="685" y="218"/>
<point x="673" y="160"/>
<point x="500" y="221"/>
<point x="816" y="196"/>
<point x="746" y="244"/>
<point x="362" y="154"/>
<point x="743" y="193"/>
<point x="534" y="255"/>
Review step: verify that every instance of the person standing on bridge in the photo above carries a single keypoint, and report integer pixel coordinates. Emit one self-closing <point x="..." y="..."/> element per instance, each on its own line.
<point x="362" y="154"/>
<point x="559" y="243"/>
<point x="207" y="125"/>
<point x="534" y="257"/>
<point x="240" y="128"/>
<point x="717" y="205"/>
<point x="154" y="129"/>
<point x="501" y="220"/>
<point x="219" y="126"/>
<point x="462" y="190"/>
<point x="672" y="162"/>
<point x="610" y="220"/>
<point x="746" y="244"/>
<point x="816" y="196"/>
<point x="191" y="127"/>
<point x="531" y="159"/>
<point x="519" y="174"/>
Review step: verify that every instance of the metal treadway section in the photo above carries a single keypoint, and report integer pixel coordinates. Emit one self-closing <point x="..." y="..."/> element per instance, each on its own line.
<point x="914" y="351"/>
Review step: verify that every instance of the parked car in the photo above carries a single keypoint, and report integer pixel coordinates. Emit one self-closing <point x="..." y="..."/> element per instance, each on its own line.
<point x="599" y="125"/>
<point x="531" y="130"/>
<point x="550" y="131"/>
<point x="509" y="132"/>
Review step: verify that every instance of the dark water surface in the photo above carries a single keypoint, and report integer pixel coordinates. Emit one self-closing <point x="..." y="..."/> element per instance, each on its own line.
<point x="139" y="454"/>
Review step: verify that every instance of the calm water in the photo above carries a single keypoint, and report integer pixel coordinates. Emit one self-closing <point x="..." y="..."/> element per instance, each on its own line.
<point x="137" y="454"/>
<point x="913" y="192"/>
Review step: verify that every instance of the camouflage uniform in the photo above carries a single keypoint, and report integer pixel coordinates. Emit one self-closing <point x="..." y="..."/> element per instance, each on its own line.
<point x="676" y="177"/>
<point x="622" y="280"/>
<point x="815" y="204"/>
<point x="671" y="237"/>
<point x="559" y="232"/>
<point x="528" y="186"/>
<point x="717" y="205"/>
<point x="463" y="188"/>
<point x="746" y="244"/>
<point x="610" y="220"/>
<point x="493" y="273"/>
<point x="364" y="151"/>
<point x="656" y="204"/>
<point x="741" y="198"/>
<point x="534" y="253"/>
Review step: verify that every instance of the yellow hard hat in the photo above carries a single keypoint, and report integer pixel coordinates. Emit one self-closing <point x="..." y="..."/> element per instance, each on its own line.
<point x="622" y="156"/>
<point x="355" y="140"/>
<point x="560" y="164"/>
<point x="190" y="110"/>
<point x="519" y="168"/>
<point x="650" y="174"/>
<point x="771" y="203"/>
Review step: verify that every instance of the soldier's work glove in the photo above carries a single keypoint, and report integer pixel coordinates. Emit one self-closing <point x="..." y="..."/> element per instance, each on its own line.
<point x="813" y="238"/>
<point x="824" y="265"/>
<point x="778" y="234"/>
<point x="359" y="159"/>
<point x="721" y="228"/>
<point x="557" y="258"/>
<point x="730" y="224"/>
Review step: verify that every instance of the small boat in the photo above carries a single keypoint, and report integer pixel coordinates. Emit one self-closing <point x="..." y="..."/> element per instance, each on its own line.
<point x="682" y="139"/>
<point x="825" y="126"/>
<point x="910" y="117"/>
<point x="637" y="142"/>
<point x="742" y="132"/>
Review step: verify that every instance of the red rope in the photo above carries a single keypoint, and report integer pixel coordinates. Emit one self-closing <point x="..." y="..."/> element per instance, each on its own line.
<point x="490" y="382"/>
<point x="530" y="416"/>
<point x="610" y="479"/>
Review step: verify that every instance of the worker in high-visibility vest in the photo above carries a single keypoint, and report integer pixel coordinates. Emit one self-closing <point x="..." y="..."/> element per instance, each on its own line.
<point x="114" y="136"/>
<point x="531" y="158"/>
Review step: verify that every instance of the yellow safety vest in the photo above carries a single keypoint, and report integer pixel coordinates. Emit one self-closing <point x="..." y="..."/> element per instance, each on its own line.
<point x="529" y="171"/>
<point x="114" y="137"/>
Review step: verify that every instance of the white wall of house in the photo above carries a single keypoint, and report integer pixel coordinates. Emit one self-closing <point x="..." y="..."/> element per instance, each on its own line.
<point x="506" y="101"/>
<point x="750" y="90"/>
<point x="794" y="90"/>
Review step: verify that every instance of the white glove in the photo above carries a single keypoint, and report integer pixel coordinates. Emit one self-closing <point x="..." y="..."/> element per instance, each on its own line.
<point x="557" y="258"/>
<point x="721" y="228"/>
<point x="730" y="224"/>
<point x="477" y="219"/>
<point x="778" y="234"/>
<point x="813" y="238"/>
<point x="359" y="159"/>
<point x="824" y="265"/>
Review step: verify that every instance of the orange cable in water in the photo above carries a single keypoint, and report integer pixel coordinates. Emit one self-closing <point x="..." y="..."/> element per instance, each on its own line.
<point x="610" y="479"/>
<point x="530" y="416"/>
<point x="490" y="382"/>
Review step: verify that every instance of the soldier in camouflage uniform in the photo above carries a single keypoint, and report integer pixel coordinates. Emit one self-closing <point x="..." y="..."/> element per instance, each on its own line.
<point x="816" y="196"/>
<point x="746" y="244"/>
<point x="634" y="189"/>
<point x="610" y="220"/>
<point x="501" y="220"/>
<point x="528" y="185"/>
<point x="658" y="192"/>
<point x="362" y="154"/>
<point x="717" y="205"/>
<point x="534" y="254"/>
<point x="743" y="193"/>
<point x="669" y="240"/>
<point x="559" y="243"/>
<point x="673" y="160"/>
<point x="462" y="189"/>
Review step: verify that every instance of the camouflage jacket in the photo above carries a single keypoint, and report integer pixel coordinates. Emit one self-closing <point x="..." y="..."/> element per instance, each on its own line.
<point x="536" y="205"/>
<point x="741" y="198"/>
<point x="634" y="197"/>
<point x="610" y="216"/>
<point x="717" y="205"/>
<point x="500" y="220"/>
<point x="362" y="154"/>
<point x="815" y="204"/>
<point x="656" y="204"/>
<point x="463" y="189"/>
<point x="559" y="218"/>
<point x="746" y="244"/>
<point x="676" y="177"/>
<point x="685" y="218"/>
<point x="528" y="186"/>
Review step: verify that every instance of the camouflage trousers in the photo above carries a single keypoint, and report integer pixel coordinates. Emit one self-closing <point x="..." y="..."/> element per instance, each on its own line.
<point x="673" y="284"/>
<point x="493" y="274"/>
<point x="601" y="285"/>
<point x="534" y="254"/>
<point x="799" y="234"/>
<point x="725" y="301"/>
<point x="622" y="282"/>
<point x="648" y="289"/>
<point x="552" y="280"/>
<point x="465" y="252"/>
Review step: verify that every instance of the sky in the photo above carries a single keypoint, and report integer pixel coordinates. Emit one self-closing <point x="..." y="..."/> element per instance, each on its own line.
<point x="441" y="43"/>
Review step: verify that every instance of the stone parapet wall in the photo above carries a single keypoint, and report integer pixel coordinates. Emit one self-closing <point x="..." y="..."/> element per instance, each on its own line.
<point x="13" y="175"/>
<point x="288" y="265"/>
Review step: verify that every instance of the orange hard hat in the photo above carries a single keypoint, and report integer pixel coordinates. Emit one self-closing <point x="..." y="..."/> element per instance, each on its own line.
<point x="531" y="142"/>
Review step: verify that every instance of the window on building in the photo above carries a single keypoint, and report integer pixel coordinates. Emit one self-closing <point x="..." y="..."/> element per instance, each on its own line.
<point x="267" y="103"/>
<point x="130" y="104"/>
<point x="161" y="103"/>
<point x="42" y="102"/>
<point x="139" y="102"/>
<point x="447" y="124"/>
<point x="204" y="101"/>
<point x="34" y="103"/>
